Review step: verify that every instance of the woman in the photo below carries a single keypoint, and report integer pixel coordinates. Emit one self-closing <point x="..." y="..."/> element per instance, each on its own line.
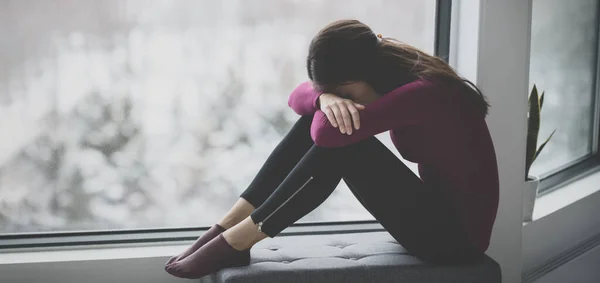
<point x="362" y="85"/>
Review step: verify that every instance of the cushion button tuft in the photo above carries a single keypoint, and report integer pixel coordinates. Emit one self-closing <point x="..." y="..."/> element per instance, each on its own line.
<point x="285" y="261"/>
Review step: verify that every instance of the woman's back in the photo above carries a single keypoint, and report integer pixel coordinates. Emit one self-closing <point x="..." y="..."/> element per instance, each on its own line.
<point x="455" y="153"/>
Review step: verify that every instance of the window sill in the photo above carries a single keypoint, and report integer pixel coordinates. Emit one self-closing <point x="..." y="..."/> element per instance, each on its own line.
<point x="89" y="254"/>
<point x="92" y="265"/>
<point x="158" y="250"/>
<point x="564" y="196"/>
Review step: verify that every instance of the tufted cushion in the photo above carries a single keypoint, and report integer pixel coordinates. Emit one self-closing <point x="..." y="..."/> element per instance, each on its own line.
<point x="348" y="258"/>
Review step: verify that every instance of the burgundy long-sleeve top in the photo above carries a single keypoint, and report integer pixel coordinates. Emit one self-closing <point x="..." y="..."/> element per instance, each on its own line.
<point x="433" y="125"/>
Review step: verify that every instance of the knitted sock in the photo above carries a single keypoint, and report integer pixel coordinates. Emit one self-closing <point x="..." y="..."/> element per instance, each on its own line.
<point x="214" y="231"/>
<point x="210" y="258"/>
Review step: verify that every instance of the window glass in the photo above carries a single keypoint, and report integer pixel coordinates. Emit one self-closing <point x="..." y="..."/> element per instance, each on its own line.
<point x="564" y="48"/>
<point x="122" y="114"/>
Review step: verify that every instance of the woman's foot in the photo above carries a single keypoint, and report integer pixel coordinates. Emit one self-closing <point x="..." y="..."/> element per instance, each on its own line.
<point x="229" y="249"/>
<point x="240" y="211"/>
<point x="244" y="235"/>
<point x="213" y="232"/>
<point x="212" y="257"/>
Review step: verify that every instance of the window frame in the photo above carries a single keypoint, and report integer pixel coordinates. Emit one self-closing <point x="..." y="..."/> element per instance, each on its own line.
<point x="586" y="165"/>
<point x="157" y="236"/>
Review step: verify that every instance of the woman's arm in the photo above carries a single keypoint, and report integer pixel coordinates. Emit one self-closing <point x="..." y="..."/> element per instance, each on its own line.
<point x="407" y="105"/>
<point x="303" y="100"/>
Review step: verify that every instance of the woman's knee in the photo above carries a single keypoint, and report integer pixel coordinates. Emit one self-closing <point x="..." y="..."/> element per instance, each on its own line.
<point x="305" y="121"/>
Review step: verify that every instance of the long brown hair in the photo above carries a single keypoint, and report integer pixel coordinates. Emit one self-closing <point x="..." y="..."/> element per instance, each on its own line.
<point x="349" y="51"/>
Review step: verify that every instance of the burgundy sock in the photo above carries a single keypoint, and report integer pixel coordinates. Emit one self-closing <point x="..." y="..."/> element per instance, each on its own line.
<point x="214" y="231"/>
<point x="210" y="258"/>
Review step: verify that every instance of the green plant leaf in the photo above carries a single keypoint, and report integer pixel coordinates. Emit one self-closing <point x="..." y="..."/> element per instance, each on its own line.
<point x="533" y="128"/>
<point x="543" y="145"/>
<point x="542" y="100"/>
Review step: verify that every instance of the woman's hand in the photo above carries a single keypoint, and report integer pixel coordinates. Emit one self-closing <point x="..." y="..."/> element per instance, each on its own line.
<point x="341" y="112"/>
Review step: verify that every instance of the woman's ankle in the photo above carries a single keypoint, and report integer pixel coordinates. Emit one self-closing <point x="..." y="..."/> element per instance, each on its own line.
<point x="240" y="211"/>
<point x="244" y="235"/>
<point x="228" y="222"/>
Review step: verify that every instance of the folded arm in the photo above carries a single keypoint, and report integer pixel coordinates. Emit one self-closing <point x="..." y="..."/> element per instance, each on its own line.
<point x="407" y="105"/>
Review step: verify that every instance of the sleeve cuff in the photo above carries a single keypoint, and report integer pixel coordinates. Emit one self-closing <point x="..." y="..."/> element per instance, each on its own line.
<point x="315" y="103"/>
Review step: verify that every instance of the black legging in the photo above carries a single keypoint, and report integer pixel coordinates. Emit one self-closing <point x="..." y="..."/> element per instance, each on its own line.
<point x="298" y="176"/>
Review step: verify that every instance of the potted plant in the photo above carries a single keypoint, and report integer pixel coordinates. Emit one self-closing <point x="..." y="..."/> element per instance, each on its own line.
<point x="533" y="127"/>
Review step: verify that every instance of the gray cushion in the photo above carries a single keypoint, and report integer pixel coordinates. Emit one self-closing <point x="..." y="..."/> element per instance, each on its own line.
<point x="347" y="258"/>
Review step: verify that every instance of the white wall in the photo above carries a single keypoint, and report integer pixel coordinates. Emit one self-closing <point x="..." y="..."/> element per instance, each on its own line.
<point x="581" y="269"/>
<point x="557" y="233"/>
<point x="501" y="71"/>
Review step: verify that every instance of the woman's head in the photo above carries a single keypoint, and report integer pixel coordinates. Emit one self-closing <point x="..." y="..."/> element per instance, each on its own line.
<point x="348" y="53"/>
<point x="341" y="53"/>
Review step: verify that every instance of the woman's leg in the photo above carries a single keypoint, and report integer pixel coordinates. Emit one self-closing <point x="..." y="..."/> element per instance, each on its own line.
<point x="419" y="217"/>
<point x="277" y="166"/>
<point x="308" y="185"/>
<point x="280" y="162"/>
<point x="310" y="182"/>
<point x="240" y="210"/>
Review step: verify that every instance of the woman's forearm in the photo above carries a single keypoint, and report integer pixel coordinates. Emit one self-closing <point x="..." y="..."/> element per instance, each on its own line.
<point x="304" y="99"/>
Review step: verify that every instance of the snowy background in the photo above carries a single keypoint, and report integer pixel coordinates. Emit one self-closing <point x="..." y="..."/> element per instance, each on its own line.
<point x="142" y="114"/>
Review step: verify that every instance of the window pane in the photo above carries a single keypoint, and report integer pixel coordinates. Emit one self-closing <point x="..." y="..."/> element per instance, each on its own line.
<point x="564" y="46"/>
<point x="130" y="114"/>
